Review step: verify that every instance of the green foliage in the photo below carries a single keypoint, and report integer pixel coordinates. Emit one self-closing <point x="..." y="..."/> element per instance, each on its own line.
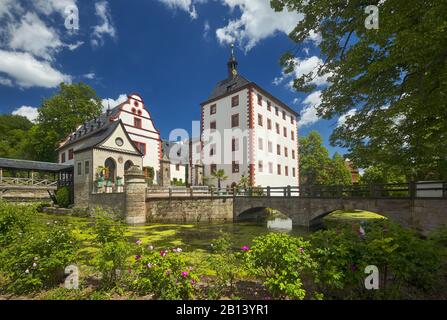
<point x="14" y="222"/>
<point x="405" y="261"/>
<point x="281" y="261"/>
<point x="380" y="174"/>
<point x="316" y="167"/>
<point x="13" y="136"/>
<point x="220" y="176"/>
<point x="60" y="115"/>
<point x="164" y="274"/>
<point x="63" y="197"/>
<point x="226" y="264"/>
<point x="33" y="256"/>
<point x="178" y="183"/>
<point x="111" y="260"/>
<point x="150" y="174"/>
<point x="394" y="78"/>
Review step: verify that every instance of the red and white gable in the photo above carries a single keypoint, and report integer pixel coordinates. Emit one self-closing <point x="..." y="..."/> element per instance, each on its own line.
<point x="139" y="125"/>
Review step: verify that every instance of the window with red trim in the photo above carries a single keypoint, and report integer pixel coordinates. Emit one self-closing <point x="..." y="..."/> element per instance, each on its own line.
<point x="259" y="100"/>
<point x="63" y="157"/>
<point x="269" y="124"/>
<point x="286" y="170"/>
<point x="269" y="106"/>
<point x="137" y="122"/>
<point x="279" y="169"/>
<point x="213" y="109"/>
<point x="141" y="147"/>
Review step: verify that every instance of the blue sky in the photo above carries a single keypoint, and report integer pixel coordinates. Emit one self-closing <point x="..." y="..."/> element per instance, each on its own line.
<point x="172" y="52"/>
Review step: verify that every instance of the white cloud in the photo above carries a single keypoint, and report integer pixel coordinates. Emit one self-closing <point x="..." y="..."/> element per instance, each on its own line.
<point x="105" y="27"/>
<point x="342" y="119"/>
<point x="257" y="21"/>
<point x="206" y="29"/>
<point x="33" y="36"/>
<point x="309" y="114"/>
<point x="113" y="102"/>
<point x="90" y="75"/>
<point x="185" y="5"/>
<point x="27" y="72"/>
<point x="48" y="7"/>
<point x="28" y="112"/>
<point x="74" y="46"/>
<point x="296" y="101"/>
<point x="303" y="67"/>
<point x="5" y="82"/>
<point x="7" y="7"/>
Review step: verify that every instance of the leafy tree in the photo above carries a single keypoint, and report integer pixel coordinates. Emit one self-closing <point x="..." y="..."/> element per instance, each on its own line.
<point x="377" y="174"/>
<point x="13" y="136"/>
<point x="314" y="160"/>
<point x="338" y="171"/>
<point x="316" y="167"/>
<point x="394" y="78"/>
<point x="220" y="176"/>
<point x="60" y="115"/>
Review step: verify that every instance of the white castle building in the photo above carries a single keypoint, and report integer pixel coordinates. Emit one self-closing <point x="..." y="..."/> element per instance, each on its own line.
<point x="247" y="131"/>
<point x="138" y="125"/>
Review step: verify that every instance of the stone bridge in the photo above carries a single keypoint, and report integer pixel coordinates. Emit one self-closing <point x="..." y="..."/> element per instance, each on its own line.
<point x="422" y="214"/>
<point x="422" y="207"/>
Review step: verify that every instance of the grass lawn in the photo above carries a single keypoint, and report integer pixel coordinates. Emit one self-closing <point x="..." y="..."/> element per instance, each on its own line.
<point x="353" y="215"/>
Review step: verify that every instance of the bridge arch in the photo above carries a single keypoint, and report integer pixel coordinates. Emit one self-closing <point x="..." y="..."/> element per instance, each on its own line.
<point x="308" y="211"/>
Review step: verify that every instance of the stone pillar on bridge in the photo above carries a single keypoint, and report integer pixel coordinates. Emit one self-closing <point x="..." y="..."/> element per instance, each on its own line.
<point x="135" y="195"/>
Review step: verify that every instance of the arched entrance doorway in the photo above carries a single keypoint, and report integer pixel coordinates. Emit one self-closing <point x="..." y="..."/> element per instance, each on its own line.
<point x="110" y="165"/>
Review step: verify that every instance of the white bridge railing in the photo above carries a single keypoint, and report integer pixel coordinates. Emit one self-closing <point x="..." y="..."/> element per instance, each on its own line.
<point x="27" y="182"/>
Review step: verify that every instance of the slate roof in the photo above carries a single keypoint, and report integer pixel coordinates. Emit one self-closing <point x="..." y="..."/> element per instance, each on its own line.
<point x="6" y="163"/>
<point x="94" y="128"/>
<point x="228" y="85"/>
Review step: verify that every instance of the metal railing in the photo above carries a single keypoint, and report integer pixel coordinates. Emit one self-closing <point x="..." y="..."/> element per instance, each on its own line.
<point x="424" y="189"/>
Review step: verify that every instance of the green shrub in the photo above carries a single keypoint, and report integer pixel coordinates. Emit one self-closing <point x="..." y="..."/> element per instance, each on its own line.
<point x="15" y="220"/>
<point x="111" y="260"/>
<point x="37" y="259"/>
<point x="281" y="261"/>
<point x="63" y="197"/>
<point x="225" y="263"/>
<point x="162" y="273"/>
<point x="405" y="261"/>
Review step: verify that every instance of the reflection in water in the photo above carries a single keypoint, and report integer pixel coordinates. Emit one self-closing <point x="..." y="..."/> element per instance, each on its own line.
<point x="280" y="224"/>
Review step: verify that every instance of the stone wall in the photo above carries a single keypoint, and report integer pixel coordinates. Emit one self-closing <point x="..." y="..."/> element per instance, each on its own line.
<point x="113" y="202"/>
<point x="26" y="196"/>
<point x="205" y="209"/>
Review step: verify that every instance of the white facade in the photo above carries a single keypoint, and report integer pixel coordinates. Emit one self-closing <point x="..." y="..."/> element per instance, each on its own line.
<point x="140" y="127"/>
<point x="263" y="166"/>
<point x="146" y="136"/>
